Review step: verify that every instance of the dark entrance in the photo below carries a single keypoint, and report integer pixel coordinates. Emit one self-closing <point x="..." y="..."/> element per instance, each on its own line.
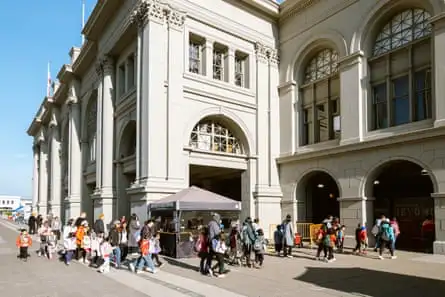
<point x="222" y="181"/>
<point x="402" y="189"/>
<point x="321" y="195"/>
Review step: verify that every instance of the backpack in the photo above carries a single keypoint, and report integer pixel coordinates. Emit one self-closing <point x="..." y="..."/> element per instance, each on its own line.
<point x="198" y="245"/>
<point x="257" y="245"/>
<point x="375" y="230"/>
<point x="385" y="234"/>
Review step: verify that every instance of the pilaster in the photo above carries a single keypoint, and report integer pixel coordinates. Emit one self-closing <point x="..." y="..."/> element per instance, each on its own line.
<point x="439" y="221"/>
<point x="438" y="23"/>
<point x="267" y="101"/>
<point x="73" y="200"/>
<point x="35" y="177"/>
<point x="352" y="105"/>
<point x="42" y="206"/>
<point x="289" y="118"/>
<point x="230" y="62"/>
<point x="208" y="58"/>
<point x="56" y="179"/>
<point x="104" y="194"/>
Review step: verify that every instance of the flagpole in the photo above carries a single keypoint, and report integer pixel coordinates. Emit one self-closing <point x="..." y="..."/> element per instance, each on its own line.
<point x="83" y="20"/>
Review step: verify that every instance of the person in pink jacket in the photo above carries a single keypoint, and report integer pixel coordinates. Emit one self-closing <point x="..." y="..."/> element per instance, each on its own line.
<point x="395" y="226"/>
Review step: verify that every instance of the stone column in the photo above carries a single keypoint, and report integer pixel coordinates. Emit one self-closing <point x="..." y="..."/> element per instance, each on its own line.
<point x="352" y="106"/>
<point x="56" y="179"/>
<point x="104" y="195"/>
<point x="438" y="63"/>
<point x="175" y="157"/>
<point x="439" y="220"/>
<point x="230" y="66"/>
<point x="289" y="118"/>
<point x="35" y="178"/>
<point x="72" y="203"/>
<point x="42" y="207"/>
<point x="208" y="58"/>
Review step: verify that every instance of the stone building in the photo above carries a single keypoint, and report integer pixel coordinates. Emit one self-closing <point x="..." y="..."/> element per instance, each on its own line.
<point x="348" y="121"/>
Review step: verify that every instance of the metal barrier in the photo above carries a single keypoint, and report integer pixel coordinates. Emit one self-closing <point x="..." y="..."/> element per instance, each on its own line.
<point x="304" y="229"/>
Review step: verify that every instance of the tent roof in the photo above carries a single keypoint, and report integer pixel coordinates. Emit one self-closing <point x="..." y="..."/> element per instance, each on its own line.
<point x="195" y="198"/>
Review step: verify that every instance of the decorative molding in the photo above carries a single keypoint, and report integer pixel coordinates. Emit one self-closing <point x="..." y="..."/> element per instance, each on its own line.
<point x="73" y="92"/>
<point x="265" y="54"/>
<point x="107" y="65"/>
<point x="349" y="61"/>
<point x="99" y="69"/>
<point x="148" y="10"/>
<point x="298" y="8"/>
<point x="175" y="18"/>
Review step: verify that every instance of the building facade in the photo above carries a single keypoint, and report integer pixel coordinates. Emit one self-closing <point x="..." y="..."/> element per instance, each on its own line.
<point x="10" y="202"/>
<point x="349" y="121"/>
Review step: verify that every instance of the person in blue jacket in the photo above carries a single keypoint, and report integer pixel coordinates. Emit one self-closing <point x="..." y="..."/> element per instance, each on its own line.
<point x="386" y="237"/>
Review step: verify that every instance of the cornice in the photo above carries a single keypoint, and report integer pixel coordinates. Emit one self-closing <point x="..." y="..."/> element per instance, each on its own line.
<point x="92" y="19"/>
<point x="295" y="8"/>
<point x="87" y="52"/>
<point x="412" y="136"/>
<point x="100" y="16"/>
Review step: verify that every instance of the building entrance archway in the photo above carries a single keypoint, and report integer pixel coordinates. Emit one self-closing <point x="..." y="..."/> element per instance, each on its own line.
<point x="320" y="192"/>
<point x="402" y="190"/>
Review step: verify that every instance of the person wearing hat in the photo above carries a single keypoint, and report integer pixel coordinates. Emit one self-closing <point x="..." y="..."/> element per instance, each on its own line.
<point x="99" y="226"/>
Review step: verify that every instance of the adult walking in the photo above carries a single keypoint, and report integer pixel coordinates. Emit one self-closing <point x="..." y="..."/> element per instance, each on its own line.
<point x="135" y="234"/>
<point x="32" y="223"/>
<point x="248" y="238"/>
<point x="99" y="226"/>
<point x="214" y="228"/>
<point x="288" y="240"/>
<point x="56" y="226"/>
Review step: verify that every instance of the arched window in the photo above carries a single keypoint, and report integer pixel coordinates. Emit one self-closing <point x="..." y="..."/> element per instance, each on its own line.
<point x="92" y="130"/>
<point x="401" y="70"/>
<point x="320" y="92"/>
<point x="212" y="136"/>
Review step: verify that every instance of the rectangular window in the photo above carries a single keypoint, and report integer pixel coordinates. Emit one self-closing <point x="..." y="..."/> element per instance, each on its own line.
<point x="121" y="78"/>
<point x="380" y="106"/>
<point x="218" y="64"/>
<point x="322" y="122"/>
<point x="308" y="137"/>
<point x="130" y="72"/>
<point x="335" y="124"/>
<point x="195" y="56"/>
<point x="400" y="100"/>
<point x="240" y="70"/>
<point x="422" y="96"/>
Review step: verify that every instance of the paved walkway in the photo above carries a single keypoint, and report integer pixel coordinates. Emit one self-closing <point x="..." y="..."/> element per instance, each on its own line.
<point x="409" y="275"/>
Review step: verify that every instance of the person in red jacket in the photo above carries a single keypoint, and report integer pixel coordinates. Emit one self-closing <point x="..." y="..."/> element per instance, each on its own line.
<point x="23" y="242"/>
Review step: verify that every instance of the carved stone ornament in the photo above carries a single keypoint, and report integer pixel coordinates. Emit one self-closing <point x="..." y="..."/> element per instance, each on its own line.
<point x="266" y="54"/>
<point x="108" y="65"/>
<point x="148" y="10"/>
<point x="72" y="93"/>
<point x="261" y="52"/>
<point x="99" y="69"/>
<point x="176" y="18"/>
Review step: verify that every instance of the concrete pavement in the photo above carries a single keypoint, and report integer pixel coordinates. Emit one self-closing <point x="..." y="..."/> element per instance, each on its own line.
<point x="409" y="275"/>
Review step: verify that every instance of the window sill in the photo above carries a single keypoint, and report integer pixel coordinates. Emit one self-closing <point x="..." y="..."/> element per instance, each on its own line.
<point x="402" y="129"/>
<point x="218" y="83"/>
<point x="318" y="146"/>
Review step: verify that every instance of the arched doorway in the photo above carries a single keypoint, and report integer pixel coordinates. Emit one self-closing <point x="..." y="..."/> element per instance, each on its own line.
<point x="320" y="192"/>
<point x="126" y="170"/>
<point x="218" y="159"/>
<point x="402" y="189"/>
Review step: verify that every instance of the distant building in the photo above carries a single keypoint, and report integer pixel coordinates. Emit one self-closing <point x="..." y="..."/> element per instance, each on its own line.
<point x="10" y="202"/>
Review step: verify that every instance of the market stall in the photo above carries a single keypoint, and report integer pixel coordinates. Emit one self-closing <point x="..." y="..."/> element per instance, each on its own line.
<point x="182" y="214"/>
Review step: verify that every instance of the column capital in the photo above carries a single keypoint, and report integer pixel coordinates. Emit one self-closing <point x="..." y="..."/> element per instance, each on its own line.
<point x="265" y="54"/>
<point x="99" y="68"/>
<point x="73" y="92"/>
<point x="148" y="10"/>
<point x="175" y="18"/>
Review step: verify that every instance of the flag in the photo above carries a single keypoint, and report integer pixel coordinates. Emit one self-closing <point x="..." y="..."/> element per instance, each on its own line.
<point x="48" y="87"/>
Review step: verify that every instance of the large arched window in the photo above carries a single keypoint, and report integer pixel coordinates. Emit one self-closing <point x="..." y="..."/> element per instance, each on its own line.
<point x="212" y="136"/>
<point x="321" y="98"/>
<point x="92" y="130"/>
<point x="401" y="70"/>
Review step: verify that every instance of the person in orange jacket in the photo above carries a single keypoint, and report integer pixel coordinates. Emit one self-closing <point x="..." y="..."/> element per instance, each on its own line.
<point x="23" y="242"/>
<point x="80" y="234"/>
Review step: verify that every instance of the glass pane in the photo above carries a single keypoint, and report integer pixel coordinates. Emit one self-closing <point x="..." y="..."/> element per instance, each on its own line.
<point x="379" y="93"/>
<point x="322" y="123"/>
<point x="400" y="86"/>
<point x="420" y="106"/>
<point x="401" y="110"/>
<point x="322" y="65"/>
<point x="380" y="115"/>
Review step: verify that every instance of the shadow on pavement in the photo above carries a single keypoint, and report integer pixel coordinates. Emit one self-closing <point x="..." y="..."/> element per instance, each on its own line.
<point x="373" y="283"/>
<point x="181" y="264"/>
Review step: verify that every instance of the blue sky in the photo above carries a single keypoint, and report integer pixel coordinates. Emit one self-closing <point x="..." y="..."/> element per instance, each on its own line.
<point x="32" y="33"/>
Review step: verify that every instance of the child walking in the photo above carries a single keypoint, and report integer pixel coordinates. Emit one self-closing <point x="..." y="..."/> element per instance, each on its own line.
<point x="202" y="247"/>
<point x="278" y="239"/>
<point x="259" y="247"/>
<point x="341" y="238"/>
<point x="156" y="250"/>
<point x="220" y="248"/>
<point x="105" y="250"/>
<point x="23" y="242"/>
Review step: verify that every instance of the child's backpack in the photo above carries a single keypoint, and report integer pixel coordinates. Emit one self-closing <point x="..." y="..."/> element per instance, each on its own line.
<point x="258" y="245"/>
<point x="385" y="233"/>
